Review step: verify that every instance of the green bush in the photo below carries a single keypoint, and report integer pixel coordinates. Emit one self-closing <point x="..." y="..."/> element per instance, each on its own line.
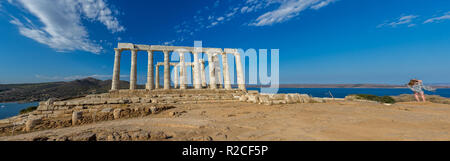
<point x="382" y="99"/>
<point x="28" y="109"/>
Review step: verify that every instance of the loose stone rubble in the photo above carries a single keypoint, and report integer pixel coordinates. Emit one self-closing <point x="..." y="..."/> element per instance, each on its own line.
<point x="273" y="99"/>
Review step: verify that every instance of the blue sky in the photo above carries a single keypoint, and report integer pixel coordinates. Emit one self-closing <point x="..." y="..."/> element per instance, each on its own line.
<point x="320" y="41"/>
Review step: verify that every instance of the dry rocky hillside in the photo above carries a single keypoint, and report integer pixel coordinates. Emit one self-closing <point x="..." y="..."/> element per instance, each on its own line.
<point x="60" y="90"/>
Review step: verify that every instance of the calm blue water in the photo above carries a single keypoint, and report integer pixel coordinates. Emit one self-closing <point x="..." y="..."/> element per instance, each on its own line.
<point x="342" y="92"/>
<point x="12" y="109"/>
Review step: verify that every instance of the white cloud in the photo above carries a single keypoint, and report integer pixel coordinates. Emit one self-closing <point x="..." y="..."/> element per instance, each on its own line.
<point x="287" y="10"/>
<point x="212" y="24"/>
<point x="322" y="4"/>
<point x="403" y="20"/>
<point x="256" y="13"/>
<point x="98" y="10"/>
<point x="244" y="9"/>
<point x="61" y="20"/>
<point x="230" y="14"/>
<point x="169" y="42"/>
<point x="446" y="16"/>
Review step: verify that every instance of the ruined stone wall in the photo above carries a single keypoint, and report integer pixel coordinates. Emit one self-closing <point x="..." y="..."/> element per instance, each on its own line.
<point x="143" y="96"/>
<point x="41" y="120"/>
<point x="273" y="99"/>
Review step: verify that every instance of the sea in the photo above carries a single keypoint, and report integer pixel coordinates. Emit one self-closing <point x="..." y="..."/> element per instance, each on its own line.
<point x="13" y="108"/>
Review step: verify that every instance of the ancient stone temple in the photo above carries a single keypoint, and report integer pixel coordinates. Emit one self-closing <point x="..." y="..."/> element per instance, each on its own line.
<point x="180" y="79"/>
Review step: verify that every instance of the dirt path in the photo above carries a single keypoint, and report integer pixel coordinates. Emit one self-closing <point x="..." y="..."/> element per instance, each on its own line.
<point x="317" y="121"/>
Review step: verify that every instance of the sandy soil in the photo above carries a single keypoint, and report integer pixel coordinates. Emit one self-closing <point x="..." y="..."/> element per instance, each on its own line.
<point x="314" y="121"/>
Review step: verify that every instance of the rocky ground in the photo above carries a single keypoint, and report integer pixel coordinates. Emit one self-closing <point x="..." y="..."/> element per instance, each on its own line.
<point x="334" y="120"/>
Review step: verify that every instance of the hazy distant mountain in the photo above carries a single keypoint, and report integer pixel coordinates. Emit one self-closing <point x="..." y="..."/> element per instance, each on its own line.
<point x="61" y="90"/>
<point x="439" y="84"/>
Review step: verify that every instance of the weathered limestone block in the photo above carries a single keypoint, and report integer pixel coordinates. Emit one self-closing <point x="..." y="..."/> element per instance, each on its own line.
<point x="63" y="108"/>
<point x="265" y="99"/>
<point x="46" y="105"/>
<point x="277" y="102"/>
<point x="124" y="100"/>
<point x="68" y="112"/>
<point x="73" y="103"/>
<point x="351" y="97"/>
<point x="277" y="96"/>
<point x="243" y="98"/>
<point x="80" y="107"/>
<point x="31" y="123"/>
<point x="304" y="98"/>
<point x="154" y="109"/>
<point x="253" y="98"/>
<point x="99" y="102"/>
<point x="170" y="101"/>
<point x="116" y="113"/>
<point x="112" y="101"/>
<point x="59" y="103"/>
<point x="86" y="102"/>
<point x="91" y="96"/>
<point x="317" y="100"/>
<point x="154" y="100"/>
<point x="135" y="100"/>
<point x="227" y="97"/>
<point x="147" y="110"/>
<point x="42" y="107"/>
<point x="50" y="101"/>
<point x="146" y="100"/>
<point x="291" y="98"/>
<point x="106" y="110"/>
<point x="295" y="97"/>
<point x="76" y="116"/>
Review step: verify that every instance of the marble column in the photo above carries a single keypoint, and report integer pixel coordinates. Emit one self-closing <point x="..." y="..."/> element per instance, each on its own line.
<point x="239" y="71"/>
<point x="203" y="73"/>
<point x="166" y="70"/>
<point x="157" y="77"/>
<point x="116" y="72"/>
<point x="217" y="70"/>
<point x="175" y="76"/>
<point x="212" y="73"/>
<point x="149" y="84"/>
<point x="133" y="69"/>
<point x="182" y="71"/>
<point x="226" y="73"/>
<point x="196" y="71"/>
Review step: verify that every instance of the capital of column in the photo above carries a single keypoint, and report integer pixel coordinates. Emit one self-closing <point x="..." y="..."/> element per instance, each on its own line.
<point x="118" y="50"/>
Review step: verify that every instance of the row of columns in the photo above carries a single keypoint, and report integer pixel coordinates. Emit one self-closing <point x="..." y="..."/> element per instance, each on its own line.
<point x="199" y="80"/>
